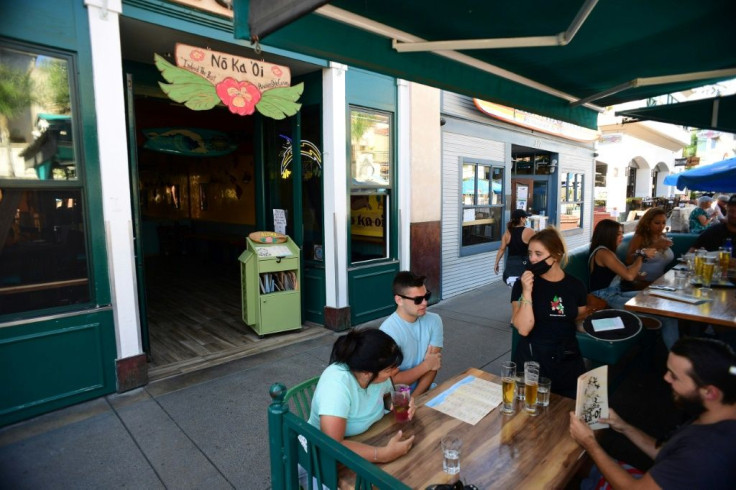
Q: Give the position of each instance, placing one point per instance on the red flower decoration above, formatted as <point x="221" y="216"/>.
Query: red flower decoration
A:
<point x="240" y="97"/>
<point x="197" y="55"/>
<point x="276" y="71"/>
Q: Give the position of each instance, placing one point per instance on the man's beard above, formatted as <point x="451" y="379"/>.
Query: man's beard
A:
<point x="692" y="405"/>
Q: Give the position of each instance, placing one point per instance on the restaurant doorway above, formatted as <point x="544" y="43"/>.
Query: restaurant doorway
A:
<point x="532" y="182"/>
<point x="201" y="182"/>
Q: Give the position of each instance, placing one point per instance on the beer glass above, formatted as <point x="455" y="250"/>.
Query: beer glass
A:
<point x="724" y="258"/>
<point x="707" y="275"/>
<point x="699" y="262"/>
<point x="508" y="386"/>
<point x="531" y="380"/>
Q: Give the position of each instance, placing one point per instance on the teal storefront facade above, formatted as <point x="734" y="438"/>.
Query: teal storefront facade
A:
<point x="57" y="355"/>
<point x="81" y="332"/>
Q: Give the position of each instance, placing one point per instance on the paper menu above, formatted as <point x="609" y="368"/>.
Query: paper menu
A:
<point x="591" y="402"/>
<point x="469" y="400"/>
<point x="273" y="251"/>
<point x="604" y="324"/>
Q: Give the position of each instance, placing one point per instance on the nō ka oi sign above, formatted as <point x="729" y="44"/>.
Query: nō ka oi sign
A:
<point x="203" y="78"/>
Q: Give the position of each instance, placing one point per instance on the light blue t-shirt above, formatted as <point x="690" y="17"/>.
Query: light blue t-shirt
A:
<point x="414" y="338"/>
<point x="339" y="394"/>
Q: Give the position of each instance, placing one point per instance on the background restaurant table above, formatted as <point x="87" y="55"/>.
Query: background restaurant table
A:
<point x="501" y="451"/>
<point x="721" y="310"/>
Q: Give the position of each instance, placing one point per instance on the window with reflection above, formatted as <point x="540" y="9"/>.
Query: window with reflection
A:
<point x="371" y="157"/>
<point x="43" y="251"/>
<point x="482" y="202"/>
<point x="43" y="237"/>
<point x="571" y="197"/>
<point x="36" y="137"/>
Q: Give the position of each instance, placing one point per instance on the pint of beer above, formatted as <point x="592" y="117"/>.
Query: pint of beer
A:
<point x="531" y="379"/>
<point x="508" y="386"/>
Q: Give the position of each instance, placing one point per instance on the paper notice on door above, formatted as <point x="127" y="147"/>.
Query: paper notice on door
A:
<point x="279" y="221"/>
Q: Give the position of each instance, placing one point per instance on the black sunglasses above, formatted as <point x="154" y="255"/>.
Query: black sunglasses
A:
<point x="417" y="299"/>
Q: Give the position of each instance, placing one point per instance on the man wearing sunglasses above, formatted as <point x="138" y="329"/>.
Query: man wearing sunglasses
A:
<point x="418" y="332"/>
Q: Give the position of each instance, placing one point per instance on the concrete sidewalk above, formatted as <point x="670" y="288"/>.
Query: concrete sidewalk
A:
<point x="208" y="429"/>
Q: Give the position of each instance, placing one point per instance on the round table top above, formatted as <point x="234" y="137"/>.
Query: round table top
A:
<point x="631" y="325"/>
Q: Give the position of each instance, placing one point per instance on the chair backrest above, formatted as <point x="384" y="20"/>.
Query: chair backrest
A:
<point x="299" y="397"/>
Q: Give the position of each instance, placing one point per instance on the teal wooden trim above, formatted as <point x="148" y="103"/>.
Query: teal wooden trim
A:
<point x="259" y="171"/>
<point x="371" y="90"/>
<point x="47" y="22"/>
<point x="375" y="278"/>
<point x="321" y="457"/>
<point x="136" y="214"/>
<point x="197" y="22"/>
<point x="297" y="181"/>
<point x="53" y="363"/>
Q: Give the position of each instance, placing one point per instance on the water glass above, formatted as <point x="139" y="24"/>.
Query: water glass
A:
<point x="451" y="446"/>
<point x="544" y="387"/>
<point x="531" y="381"/>
<point x="520" y="386"/>
<point x="681" y="280"/>
<point x="508" y="386"/>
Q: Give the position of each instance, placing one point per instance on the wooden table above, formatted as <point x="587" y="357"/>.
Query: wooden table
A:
<point x="720" y="311"/>
<point x="501" y="451"/>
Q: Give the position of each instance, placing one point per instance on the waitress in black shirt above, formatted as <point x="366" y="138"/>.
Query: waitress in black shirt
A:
<point x="545" y="303"/>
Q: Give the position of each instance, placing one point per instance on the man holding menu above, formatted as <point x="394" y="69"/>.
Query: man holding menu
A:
<point x="700" y="454"/>
<point x="418" y="332"/>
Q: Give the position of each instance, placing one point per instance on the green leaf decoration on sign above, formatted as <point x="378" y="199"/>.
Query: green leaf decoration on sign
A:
<point x="277" y="103"/>
<point x="185" y="87"/>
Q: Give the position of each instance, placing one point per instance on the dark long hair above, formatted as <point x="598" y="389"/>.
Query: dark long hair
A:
<point x="513" y="223"/>
<point x="606" y="234"/>
<point x="713" y="363"/>
<point x="367" y="350"/>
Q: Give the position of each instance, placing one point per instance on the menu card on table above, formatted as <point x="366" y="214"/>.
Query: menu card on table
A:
<point x="469" y="400"/>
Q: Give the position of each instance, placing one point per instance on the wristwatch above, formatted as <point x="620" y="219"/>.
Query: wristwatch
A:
<point x="641" y="253"/>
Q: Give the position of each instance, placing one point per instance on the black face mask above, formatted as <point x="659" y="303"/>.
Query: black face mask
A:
<point x="540" y="268"/>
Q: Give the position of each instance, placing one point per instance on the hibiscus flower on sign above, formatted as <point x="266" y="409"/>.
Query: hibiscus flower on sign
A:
<point x="203" y="79"/>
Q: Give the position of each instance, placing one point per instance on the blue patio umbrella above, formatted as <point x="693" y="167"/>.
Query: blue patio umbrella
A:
<point x="716" y="177"/>
<point x="468" y="186"/>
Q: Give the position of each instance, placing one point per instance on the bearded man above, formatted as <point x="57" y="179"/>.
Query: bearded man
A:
<point x="700" y="454"/>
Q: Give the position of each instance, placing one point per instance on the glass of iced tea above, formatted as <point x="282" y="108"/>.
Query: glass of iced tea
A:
<point x="400" y="398"/>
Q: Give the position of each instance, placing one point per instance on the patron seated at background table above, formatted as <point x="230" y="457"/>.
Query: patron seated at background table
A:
<point x="545" y="303"/>
<point x="700" y="219"/>
<point x="702" y="453"/>
<point x="649" y="235"/>
<point x="715" y="236"/>
<point x="606" y="269"/>
<point x="349" y="397"/>
<point x="418" y="332"/>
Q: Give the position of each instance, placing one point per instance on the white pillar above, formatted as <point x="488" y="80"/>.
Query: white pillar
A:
<point x="404" y="172"/>
<point x="335" y="182"/>
<point x="107" y="68"/>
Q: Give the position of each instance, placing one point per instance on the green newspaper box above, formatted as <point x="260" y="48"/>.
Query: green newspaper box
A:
<point x="270" y="281"/>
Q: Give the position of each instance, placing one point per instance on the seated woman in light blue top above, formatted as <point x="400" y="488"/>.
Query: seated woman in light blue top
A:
<point x="699" y="217"/>
<point x="349" y="397"/>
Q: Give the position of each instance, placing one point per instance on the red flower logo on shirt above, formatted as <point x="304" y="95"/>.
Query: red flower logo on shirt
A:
<point x="240" y="97"/>
<point x="557" y="306"/>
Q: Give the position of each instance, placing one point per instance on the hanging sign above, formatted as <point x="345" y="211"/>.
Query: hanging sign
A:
<point x="203" y="79"/>
<point x="536" y="122"/>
